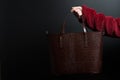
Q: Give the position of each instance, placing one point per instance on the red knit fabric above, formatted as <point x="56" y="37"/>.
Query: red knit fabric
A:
<point x="100" y="22"/>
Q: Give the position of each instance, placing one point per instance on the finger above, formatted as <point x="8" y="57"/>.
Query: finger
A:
<point x="73" y="9"/>
<point x="76" y="9"/>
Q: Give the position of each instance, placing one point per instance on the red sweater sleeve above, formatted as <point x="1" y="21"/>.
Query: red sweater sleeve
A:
<point x="100" y="22"/>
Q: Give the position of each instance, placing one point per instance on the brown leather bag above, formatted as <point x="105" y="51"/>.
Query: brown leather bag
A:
<point x="75" y="53"/>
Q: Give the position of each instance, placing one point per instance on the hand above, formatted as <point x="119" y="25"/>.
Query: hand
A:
<point x="77" y="10"/>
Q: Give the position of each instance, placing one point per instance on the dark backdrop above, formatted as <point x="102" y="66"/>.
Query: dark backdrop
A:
<point x="23" y="39"/>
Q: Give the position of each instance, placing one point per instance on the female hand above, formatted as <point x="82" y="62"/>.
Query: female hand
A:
<point x="77" y="10"/>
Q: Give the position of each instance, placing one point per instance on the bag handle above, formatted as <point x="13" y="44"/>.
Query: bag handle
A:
<point x="83" y="27"/>
<point x="64" y="24"/>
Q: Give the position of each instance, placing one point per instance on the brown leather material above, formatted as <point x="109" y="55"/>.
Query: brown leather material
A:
<point x="76" y="53"/>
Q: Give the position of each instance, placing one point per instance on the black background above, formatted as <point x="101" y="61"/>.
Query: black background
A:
<point x="23" y="39"/>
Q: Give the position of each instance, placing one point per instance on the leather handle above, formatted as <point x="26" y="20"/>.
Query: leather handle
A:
<point x="64" y="24"/>
<point x="83" y="24"/>
<point x="83" y="27"/>
<point x="85" y="31"/>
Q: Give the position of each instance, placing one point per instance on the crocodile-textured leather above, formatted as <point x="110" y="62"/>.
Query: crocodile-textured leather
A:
<point x="76" y="53"/>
